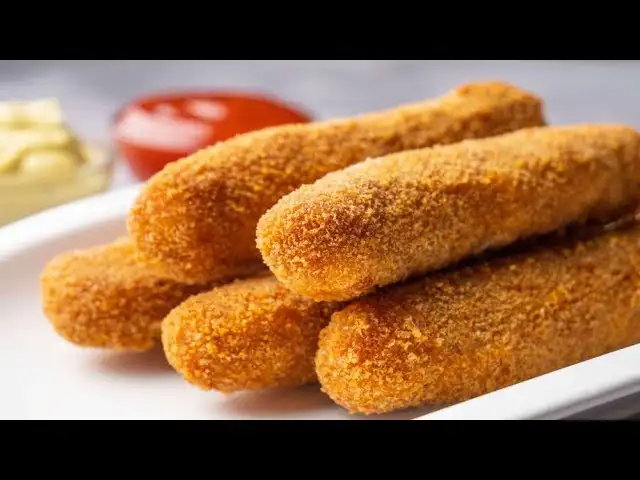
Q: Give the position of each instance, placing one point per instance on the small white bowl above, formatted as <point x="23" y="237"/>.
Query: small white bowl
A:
<point x="23" y="195"/>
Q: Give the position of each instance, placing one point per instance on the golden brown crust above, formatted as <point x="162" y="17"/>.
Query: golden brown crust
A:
<point x="197" y="217"/>
<point x="462" y="333"/>
<point x="387" y="219"/>
<point x="247" y="335"/>
<point x="105" y="297"/>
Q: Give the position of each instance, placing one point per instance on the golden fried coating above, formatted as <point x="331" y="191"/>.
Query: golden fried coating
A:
<point x="390" y="218"/>
<point x="106" y="297"/>
<point x="247" y="335"/>
<point x="462" y="333"/>
<point x="197" y="217"/>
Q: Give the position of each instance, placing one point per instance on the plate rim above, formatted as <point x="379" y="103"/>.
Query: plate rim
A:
<point x="64" y="219"/>
<point x="569" y="391"/>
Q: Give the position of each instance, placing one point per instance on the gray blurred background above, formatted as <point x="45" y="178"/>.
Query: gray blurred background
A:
<point x="92" y="90"/>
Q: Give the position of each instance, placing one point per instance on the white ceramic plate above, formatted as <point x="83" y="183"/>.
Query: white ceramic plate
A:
<point x="43" y="377"/>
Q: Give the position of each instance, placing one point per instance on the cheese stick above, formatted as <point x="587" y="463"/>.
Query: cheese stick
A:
<point x="463" y="333"/>
<point x="105" y="297"/>
<point x="394" y="217"/>
<point x="251" y="334"/>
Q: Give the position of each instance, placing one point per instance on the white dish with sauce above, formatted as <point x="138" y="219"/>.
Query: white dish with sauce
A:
<point x="42" y="161"/>
<point x="44" y="377"/>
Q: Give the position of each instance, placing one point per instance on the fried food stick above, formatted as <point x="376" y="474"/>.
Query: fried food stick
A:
<point x="394" y="217"/>
<point x="197" y="217"/>
<point x="105" y="297"/>
<point x="247" y="335"/>
<point x="459" y="334"/>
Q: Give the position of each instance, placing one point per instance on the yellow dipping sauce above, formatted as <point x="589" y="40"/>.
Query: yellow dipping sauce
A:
<point x="42" y="163"/>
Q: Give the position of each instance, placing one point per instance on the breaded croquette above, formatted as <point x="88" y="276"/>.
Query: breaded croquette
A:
<point x="391" y="218"/>
<point x="247" y="335"/>
<point x="105" y="297"/>
<point x="196" y="218"/>
<point x="462" y="333"/>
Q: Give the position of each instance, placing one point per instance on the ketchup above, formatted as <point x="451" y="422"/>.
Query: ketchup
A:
<point x="157" y="129"/>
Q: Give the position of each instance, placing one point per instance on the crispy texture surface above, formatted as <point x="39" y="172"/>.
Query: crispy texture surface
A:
<point x="247" y="335"/>
<point x="387" y="219"/>
<point x="462" y="333"/>
<point x="105" y="297"/>
<point x="197" y="217"/>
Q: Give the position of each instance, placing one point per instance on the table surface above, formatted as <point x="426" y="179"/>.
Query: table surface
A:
<point x="92" y="90"/>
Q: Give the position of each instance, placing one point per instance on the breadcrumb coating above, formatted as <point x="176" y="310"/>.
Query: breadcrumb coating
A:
<point x="391" y="218"/>
<point x="105" y="297"/>
<point x="248" y="335"/>
<point x="196" y="218"/>
<point x="462" y="333"/>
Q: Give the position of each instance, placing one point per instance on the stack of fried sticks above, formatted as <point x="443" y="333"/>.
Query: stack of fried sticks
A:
<point x="426" y="254"/>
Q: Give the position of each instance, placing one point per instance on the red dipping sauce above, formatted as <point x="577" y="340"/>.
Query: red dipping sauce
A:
<point x="157" y="129"/>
